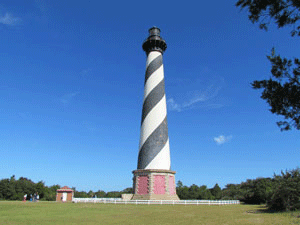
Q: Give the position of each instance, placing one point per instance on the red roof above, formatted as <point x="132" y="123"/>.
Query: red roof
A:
<point x="65" y="188"/>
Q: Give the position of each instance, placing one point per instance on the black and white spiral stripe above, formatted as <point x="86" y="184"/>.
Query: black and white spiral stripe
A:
<point x="154" y="151"/>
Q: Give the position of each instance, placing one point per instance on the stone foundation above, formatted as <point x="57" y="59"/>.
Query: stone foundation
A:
<point x="126" y="197"/>
<point x="154" y="184"/>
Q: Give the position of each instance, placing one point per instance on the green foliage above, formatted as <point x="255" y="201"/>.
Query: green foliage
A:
<point x="51" y="194"/>
<point x="232" y="192"/>
<point x="113" y="194"/>
<point x="179" y="184"/>
<point x="282" y="192"/>
<point x="193" y="192"/>
<point x="286" y="196"/>
<point x="182" y="191"/>
<point x="283" y="12"/>
<point x="128" y="190"/>
<point x="100" y="194"/>
<point x="256" y="191"/>
<point x="5" y="192"/>
<point x="80" y="194"/>
<point x="283" y="94"/>
<point x="216" y="191"/>
<point x="282" y="90"/>
<point x="12" y="189"/>
<point x="91" y="194"/>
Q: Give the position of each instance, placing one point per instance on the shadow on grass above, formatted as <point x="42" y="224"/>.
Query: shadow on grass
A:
<point x="262" y="209"/>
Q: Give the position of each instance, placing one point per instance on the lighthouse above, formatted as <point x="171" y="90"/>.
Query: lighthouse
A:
<point x="153" y="179"/>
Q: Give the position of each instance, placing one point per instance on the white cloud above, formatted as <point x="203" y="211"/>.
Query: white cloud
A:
<point x="196" y="97"/>
<point x="222" y="139"/>
<point x="65" y="99"/>
<point x="8" y="19"/>
<point x="209" y="93"/>
<point x="172" y="105"/>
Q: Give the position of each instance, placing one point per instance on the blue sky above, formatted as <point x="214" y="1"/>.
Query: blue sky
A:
<point x="71" y="92"/>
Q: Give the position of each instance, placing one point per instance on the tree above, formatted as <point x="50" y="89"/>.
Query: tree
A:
<point x="284" y="12"/>
<point x="256" y="191"/>
<point x="41" y="189"/>
<point x="12" y="188"/>
<point x="80" y="194"/>
<point x="113" y="194"/>
<point x="205" y="193"/>
<point x="283" y="91"/>
<point x="232" y="192"/>
<point x="182" y="191"/>
<point x="179" y="184"/>
<point x="194" y="192"/>
<point x="128" y="190"/>
<point x="263" y="189"/>
<point x="287" y="193"/>
<point x="216" y="192"/>
<point x="5" y="192"/>
<point x="91" y="194"/>
<point x="100" y="194"/>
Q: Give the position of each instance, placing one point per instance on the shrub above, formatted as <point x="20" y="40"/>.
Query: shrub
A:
<point x="286" y="196"/>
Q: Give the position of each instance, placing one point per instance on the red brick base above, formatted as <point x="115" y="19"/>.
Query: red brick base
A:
<point x="154" y="185"/>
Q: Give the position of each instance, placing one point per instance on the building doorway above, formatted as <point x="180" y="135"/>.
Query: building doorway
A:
<point x="64" y="196"/>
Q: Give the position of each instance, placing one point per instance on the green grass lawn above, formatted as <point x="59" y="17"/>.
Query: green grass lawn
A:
<point x="81" y="213"/>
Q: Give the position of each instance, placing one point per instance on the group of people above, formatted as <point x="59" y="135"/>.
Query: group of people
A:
<point x="33" y="198"/>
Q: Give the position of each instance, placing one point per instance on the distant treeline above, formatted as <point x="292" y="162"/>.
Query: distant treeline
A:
<point x="282" y="192"/>
<point x="12" y="189"/>
<point x="101" y="194"/>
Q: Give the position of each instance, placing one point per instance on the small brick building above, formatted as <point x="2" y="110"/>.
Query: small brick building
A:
<point x="64" y="194"/>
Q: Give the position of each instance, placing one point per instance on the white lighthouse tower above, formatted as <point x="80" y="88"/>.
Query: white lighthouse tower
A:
<point x="153" y="178"/>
